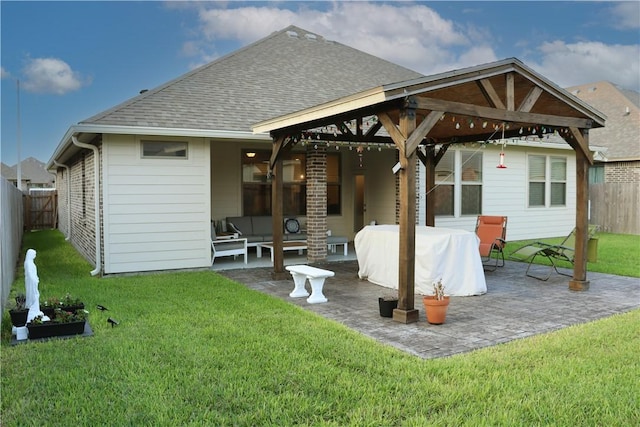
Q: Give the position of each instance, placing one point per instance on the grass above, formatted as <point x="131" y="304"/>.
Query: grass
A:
<point x="198" y="349"/>
<point x="618" y="254"/>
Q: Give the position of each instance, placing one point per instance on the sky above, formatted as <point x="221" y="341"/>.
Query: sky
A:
<point x="75" y="59"/>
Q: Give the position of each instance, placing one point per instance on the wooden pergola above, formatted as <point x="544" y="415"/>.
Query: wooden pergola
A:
<point x="416" y="117"/>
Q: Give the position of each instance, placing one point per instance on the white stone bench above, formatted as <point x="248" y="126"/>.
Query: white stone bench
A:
<point x="316" y="276"/>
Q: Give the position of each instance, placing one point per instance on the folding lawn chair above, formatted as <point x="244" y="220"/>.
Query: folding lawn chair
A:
<point x="565" y="251"/>
<point x="492" y="231"/>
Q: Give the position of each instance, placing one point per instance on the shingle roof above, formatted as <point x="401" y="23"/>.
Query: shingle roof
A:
<point x="32" y="170"/>
<point x="289" y="70"/>
<point x="621" y="135"/>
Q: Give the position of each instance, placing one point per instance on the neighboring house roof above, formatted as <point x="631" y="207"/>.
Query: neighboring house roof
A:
<point x="32" y="170"/>
<point x="621" y="137"/>
<point x="289" y="70"/>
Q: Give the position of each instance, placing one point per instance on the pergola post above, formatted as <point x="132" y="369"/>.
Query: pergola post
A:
<point x="277" y="217"/>
<point x="579" y="281"/>
<point x="406" y="313"/>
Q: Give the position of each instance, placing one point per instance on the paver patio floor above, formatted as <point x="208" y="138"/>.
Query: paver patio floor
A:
<point x="515" y="306"/>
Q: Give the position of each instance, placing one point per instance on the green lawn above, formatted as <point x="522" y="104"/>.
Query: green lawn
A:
<point x="198" y="349"/>
<point x="617" y="253"/>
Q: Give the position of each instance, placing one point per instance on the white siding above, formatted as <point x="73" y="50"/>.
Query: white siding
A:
<point x="156" y="211"/>
<point x="505" y="192"/>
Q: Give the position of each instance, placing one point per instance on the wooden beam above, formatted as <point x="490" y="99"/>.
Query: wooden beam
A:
<point x="530" y="100"/>
<point x="503" y="115"/>
<point x="511" y="97"/>
<point x="373" y="129"/>
<point x="276" y="150"/>
<point x="579" y="143"/>
<point x="490" y="94"/>
<point x="406" y="313"/>
<point x="277" y="221"/>
<point x="422" y="130"/>
<point x="393" y="131"/>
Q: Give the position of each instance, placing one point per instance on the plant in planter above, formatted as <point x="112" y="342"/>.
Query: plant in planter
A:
<point x="435" y="306"/>
<point x="387" y="304"/>
<point x="63" y="323"/>
<point x="20" y="311"/>
<point x="66" y="303"/>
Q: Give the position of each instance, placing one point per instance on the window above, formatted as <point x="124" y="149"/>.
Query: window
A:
<point x="558" y="181"/>
<point x="256" y="187"/>
<point x="537" y="174"/>
<point x="459" y="179"/>
<point x="445" y="184"/>
<point x="471" y="197"/>
<point x="547" y="175"/>
<point x="164" y="149"/>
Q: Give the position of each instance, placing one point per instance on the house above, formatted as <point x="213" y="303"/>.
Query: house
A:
<point x="140" y="183"/>
<point x="33" y="173"/>
<point x="615" y="177"/>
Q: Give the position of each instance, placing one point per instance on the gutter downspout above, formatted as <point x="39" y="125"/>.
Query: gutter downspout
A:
<point x="60" y="165"/>
<point x="96" y="160"/>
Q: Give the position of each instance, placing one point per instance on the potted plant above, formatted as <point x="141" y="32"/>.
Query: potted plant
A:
<point x="63" y="323"/>
<point x="66" y="303"/>
<point x="19" y="312"/>
<point x="435" y="306"/>
<point x="387" y="304"/>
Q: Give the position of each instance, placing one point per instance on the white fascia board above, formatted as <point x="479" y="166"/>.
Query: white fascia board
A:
<point x="339" y="106"/>
<point x="66" y="142"/>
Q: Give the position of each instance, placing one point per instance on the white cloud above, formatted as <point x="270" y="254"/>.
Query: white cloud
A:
<point x="51" y="75"/>
<point x="424" y="42"/>
<point x="585" y="62"/>
<point x="4" y="74"/>
<point x="627" y="15"/>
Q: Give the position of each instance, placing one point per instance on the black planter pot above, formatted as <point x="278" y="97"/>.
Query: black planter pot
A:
<point x="387" y="306"/>
<point x="19" y="317"/>
<point x="50" y="329"/>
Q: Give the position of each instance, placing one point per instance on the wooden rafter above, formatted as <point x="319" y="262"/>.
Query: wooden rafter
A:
<point x="504" y="115"/>
<point x="530" y="100"/>
<point x="422" y="130"/>
<point x="490" y="94"/>
<point x="511" y="97"/>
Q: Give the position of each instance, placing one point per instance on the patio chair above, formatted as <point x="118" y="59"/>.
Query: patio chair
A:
<point x="226" y="246"/>
<point x="492" y="231"/>
<point x="564" y="251"/>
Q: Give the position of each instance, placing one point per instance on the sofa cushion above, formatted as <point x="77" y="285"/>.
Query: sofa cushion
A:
<point x="242" y="223"/>
<point x="262" y="225"/>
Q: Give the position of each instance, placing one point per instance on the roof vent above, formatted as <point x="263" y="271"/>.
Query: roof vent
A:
<point x="592" y="89"/>
<point x="311" y="36"/>
<point x="292" y="34"/>
<point x="575" y="92"/>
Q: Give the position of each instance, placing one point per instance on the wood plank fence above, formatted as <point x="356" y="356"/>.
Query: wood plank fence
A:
<point x="11" y="231"/>
<point x="615" y="207"/>
<point x="41" y="210"/>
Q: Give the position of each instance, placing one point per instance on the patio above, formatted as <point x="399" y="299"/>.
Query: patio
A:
<point x="514" y="307"/>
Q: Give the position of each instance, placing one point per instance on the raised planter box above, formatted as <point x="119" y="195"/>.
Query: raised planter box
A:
<point x="50" y="329"/>
<point x="50" y="311"/>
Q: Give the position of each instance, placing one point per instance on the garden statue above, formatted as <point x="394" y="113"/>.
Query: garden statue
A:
<point x="31" y="281"/>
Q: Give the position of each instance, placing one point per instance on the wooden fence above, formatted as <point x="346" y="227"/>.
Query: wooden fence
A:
<point x="615" y="207"/>
<point x="41" y="210"/>
<point x="11" y="230"/>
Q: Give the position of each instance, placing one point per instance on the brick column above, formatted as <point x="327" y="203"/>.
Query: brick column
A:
<point x="316" y="203"/>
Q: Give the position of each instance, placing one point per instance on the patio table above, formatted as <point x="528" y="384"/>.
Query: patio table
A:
<point x="290" y="245"/>
<point x="440" y="253"/>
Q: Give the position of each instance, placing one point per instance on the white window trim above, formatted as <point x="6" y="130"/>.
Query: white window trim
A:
<point x="547" y="181"/>
<point x="142" y="141"/>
